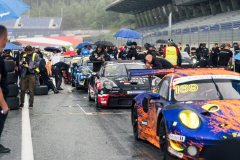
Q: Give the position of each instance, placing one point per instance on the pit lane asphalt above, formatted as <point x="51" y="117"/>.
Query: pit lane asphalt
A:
<point x="68" y="126"/>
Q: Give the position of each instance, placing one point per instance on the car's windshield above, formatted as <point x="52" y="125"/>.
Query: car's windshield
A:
<point x="184" y="55"/>
<point x="85" y="63"/>
<point x="135" y="66"/>
<point x="206" y="90"/>
<point x="115" y="70"/>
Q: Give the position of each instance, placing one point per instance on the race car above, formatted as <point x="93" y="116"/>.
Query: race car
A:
<point x="111" y="87"/>
<point x="74" y="64"/>
<point x="189" y="111"/>
<point x="82" y="72"/>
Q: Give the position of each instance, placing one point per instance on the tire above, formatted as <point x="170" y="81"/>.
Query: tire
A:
<point x="13" y="103"/>
<point x="89" y="96"/>
<point x="10" y="65"/>
<point x="73" y="83"/>
<point x="135" y="122"/>
<point x="11" y="77"/>
<point x="96" y="99"/>
<point x="13" y="90"/>
<point x="41" y="90"/>
<point x="163" y="138"/>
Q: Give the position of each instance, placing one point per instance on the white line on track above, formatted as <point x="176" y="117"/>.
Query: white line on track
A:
<point x="27" y="147"/>
<point x="83" y="110"/>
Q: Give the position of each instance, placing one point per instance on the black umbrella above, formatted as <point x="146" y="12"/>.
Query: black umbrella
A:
<point x="105" y="43"/>
<point x="161" y="41"/>
<point x="17" y="43"/>
<point x="51" y="49"/>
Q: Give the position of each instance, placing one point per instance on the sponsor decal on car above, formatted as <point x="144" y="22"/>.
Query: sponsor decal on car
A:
<point x="176" y="153"/>
<point x="144" y="123"/>
<point x="237" y="134"/>
<point x="176" y="137"/>
<point x="135" y="92"/>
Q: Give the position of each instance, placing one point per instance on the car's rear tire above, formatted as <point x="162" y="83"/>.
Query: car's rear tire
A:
<point x="163" y="138"/>
<point x="135" y="122"/>
<point x="73" y="83"/>
<point x="89" y="94"/>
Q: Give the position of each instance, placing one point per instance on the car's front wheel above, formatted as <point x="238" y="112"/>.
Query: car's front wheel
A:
<point x="135" y="122"/>
<point x="163" y="138"/>
<point x="89" y="94"/>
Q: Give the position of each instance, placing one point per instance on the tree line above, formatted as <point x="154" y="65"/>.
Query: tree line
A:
<point x="78" y="14"/>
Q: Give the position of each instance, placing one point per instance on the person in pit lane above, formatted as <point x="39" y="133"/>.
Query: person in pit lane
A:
<point x="128" y="53"/>
<point x="203" y="63"/>
<point x="100" y="55"/>
<point x="157" y="63"/>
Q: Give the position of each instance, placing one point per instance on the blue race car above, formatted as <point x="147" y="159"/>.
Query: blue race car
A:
<point x="189" y="111"/>
<point x="81" y="73"/>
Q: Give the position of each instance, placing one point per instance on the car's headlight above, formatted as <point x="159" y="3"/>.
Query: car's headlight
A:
<point x="108" y="84"/>
<point x="84" y="71"/>
<point x="189" y="119"/>
<point x="69" y="70"/>
<point x="194" y="61"/>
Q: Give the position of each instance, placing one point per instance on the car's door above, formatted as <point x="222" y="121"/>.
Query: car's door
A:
<point x="155" y="108"/>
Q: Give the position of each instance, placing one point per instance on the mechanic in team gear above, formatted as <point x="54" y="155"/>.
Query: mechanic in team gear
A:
<point x="99" y="55"/>
<point x="214" y="56"/>
<point x="128" y="53"/>
<point x="203" y="63"/>
<point x="225" y="56"/>
<point x="200" y="52"/>
<point x="140" y="54"/>
<point x="151" y="51"/>
<point x="85" y="51"/>
<point x="171" y="53"/>
<point x="45" y="77"/>
<point x="57" y="71"/>
<point x="206" y="51"/>
<point x="157" y="63"/>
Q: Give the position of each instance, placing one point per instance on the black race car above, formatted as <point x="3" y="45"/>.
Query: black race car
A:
<point x="111" y="87"/>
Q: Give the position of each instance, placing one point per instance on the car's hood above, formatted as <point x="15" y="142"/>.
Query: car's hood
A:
<point x="226" y="119"/>
<point x="136" y="83"/>
<point x="90" y="68"/>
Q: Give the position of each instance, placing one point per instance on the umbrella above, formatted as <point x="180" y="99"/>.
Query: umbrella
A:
<point x="17" y="43"/>
<point x="81" y="45"/>
<point x="105" y="43"/>
<point x="237" y="56"/>
<point x="12" y="9"/>
<point x="51" y="49"/>
<point x="70" y="53"/>
<point x="10" y="46"/>
<point x="161" y="41"/>
<point x="127" y="33"/>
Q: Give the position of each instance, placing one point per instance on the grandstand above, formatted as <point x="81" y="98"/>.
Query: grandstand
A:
<point x="26" y="26"/>
<point x="194" y="21"/>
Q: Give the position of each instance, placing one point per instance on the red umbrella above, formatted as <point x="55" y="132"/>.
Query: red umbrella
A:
<point x="70" y="53"/>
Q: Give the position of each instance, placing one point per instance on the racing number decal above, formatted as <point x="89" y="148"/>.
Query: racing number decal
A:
<point x="185" y="88"/>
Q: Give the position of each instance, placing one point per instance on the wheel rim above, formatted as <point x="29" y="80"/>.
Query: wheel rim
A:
<point x="135" y="121"/>
<point x="163" y="137"/>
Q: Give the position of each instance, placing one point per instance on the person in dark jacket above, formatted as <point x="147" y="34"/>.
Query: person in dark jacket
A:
<point x="206" y="51"/>
<point x="79" y="51"/>
<point x="45" y="77"/>
<point x="187" y="49"/>
<point x="203" y="63"/>
<point x="18" y="58"/>
<point x="99" y="55"/>
<point x="115" y="51"/>
<point x="214" y="56"/>
<point x="199" y="52"/>
<point x="7" y="55"/>
<point x="110" y="53"/>
<point x="151" y="51"/>
<point x="57" y="71"/>
<point x="157" y="63"/>
<point x="225" y="56"/>
<point x="37" y="50"/>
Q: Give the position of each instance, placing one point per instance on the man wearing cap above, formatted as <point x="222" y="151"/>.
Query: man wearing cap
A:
<point x="128" y="53"/>
<point x="37" y="49"/>
<point x="171" y="53"/>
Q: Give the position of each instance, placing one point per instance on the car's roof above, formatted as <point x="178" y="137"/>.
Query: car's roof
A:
<point x="202" y="71"/>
